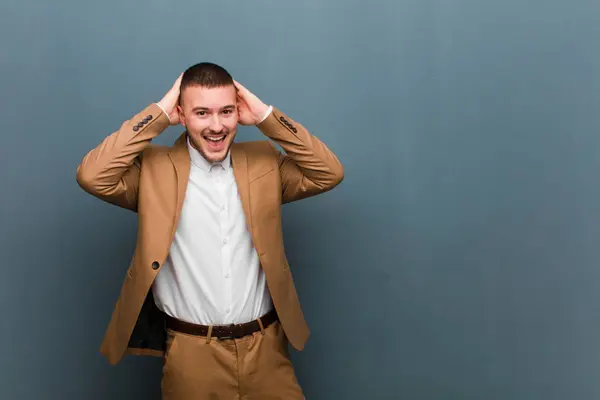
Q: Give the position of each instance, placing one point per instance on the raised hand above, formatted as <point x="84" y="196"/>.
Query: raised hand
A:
<point x="170" y="101"/>
<point x="250" y="108"/>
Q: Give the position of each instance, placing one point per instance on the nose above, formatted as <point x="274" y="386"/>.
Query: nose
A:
<point x="215" y="124"/>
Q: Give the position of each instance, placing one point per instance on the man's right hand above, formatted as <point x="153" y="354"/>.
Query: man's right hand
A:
<point x="170" y="101"/>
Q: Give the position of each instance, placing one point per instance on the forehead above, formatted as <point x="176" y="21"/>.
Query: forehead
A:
<point x="216" y="97"/>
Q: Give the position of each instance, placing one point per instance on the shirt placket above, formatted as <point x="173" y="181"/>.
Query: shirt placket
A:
<point x="223" y="210"/>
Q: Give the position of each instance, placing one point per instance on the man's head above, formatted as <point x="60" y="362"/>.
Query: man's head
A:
<point x="208" y="109"/>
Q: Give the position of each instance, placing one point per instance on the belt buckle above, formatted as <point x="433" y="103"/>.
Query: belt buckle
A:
<point x="231" y="335"/>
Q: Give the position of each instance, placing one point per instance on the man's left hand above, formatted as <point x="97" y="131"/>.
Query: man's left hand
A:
<point x="251" y="110"/>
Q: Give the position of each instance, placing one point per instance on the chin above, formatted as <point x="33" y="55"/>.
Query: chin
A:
<point x="215" y="157"/>
<point x="213" y="148"/>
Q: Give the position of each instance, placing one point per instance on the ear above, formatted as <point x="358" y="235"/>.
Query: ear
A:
<point x="181" y="115"/>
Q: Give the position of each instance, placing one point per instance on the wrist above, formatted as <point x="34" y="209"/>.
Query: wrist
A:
<point x="163" y="108"/>
<point x="265" y="112"/>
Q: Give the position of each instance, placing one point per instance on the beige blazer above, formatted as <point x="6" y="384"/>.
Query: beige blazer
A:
<point x="130" y="172"/>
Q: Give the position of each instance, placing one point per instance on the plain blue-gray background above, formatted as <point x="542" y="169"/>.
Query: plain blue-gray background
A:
<point x="458" y="259"/>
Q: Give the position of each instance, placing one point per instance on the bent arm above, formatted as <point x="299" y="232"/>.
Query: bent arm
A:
<point x="309" y="167"/>
<point x="111" y="171"/>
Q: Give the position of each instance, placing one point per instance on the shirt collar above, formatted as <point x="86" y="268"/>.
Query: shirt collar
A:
<point x="199" y="161"/>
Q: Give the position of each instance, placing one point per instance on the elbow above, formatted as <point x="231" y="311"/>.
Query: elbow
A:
<point x="338" y="175"/>
<point x="85" y="179"/>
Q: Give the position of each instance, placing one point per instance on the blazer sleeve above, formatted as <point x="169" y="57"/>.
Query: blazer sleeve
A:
<point x="308" y="168"/>
<point x="111" y="171"/>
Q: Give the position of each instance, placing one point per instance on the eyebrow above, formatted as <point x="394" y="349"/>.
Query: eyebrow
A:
<point x="208" y="109"/>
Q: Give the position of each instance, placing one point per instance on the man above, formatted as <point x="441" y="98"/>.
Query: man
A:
<point x="209" y="287"/>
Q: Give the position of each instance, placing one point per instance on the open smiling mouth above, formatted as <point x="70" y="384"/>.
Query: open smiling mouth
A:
<point x="215" y="142"/>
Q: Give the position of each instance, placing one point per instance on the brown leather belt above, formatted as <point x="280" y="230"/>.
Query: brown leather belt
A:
<point x="233" y="331"/>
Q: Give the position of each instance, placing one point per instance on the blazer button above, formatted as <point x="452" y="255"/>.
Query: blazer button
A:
<point x="136" y="128"/>
<point x="149" y="117"/>
<point x="155" y="265"/>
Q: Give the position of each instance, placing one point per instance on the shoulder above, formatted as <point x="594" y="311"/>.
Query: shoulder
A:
<point x="259" y="149"/>
<point x="154" y="153"/>
<point x="262" y="157"/>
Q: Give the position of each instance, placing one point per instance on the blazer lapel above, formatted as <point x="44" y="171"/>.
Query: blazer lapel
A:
<point x="239" y="161"/>
<point x="180" y="157"/>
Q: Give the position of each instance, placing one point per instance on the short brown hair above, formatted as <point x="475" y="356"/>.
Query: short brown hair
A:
<point x="205" y="74"/>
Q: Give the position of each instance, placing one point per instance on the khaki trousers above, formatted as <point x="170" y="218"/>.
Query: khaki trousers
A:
<point x="255" y="367"/>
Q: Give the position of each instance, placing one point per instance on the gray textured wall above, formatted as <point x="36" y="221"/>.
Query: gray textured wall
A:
<point x="459" y="258"/>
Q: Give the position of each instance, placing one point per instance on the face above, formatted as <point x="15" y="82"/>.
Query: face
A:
<point x="210" y="117"/>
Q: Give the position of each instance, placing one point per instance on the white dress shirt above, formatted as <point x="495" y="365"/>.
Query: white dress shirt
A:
<point x="212" y="275"/>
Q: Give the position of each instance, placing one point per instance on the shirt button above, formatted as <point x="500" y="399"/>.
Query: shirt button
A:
<point x="225" y="241"/>
<point x="227" y="275"/>
<point x="228" y="310"/>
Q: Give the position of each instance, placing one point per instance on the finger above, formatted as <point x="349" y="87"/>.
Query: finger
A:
<point x="178" y="81"/>
<point x="241" y="89"/>
<point x="240" y="97"/>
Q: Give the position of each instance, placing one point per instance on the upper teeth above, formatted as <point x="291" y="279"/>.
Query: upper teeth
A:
<point x="215" y="138"/>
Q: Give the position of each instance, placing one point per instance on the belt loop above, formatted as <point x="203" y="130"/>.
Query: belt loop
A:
<point x="262" y="328"/>
<point x="209" y="334"/>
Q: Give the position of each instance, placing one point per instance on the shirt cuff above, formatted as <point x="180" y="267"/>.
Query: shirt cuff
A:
<point x="163" y="111"/>
<point x="269" y="111"/>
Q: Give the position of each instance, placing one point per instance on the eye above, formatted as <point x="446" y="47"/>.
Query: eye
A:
<point x="201" y="113"/>
<point x="227" y="112"/>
